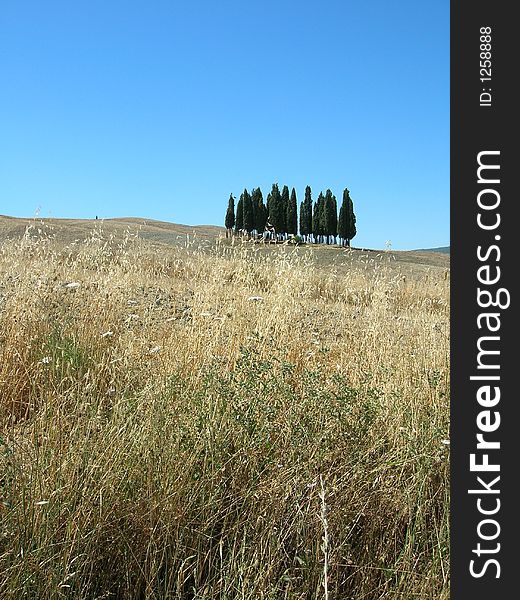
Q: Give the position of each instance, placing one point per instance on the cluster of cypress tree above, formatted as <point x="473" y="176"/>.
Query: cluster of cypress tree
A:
<point x="319" y="222"/>
<point x="251" y="214"/>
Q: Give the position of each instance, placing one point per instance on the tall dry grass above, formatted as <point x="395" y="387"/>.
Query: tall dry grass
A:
<point x="227" y="423"/>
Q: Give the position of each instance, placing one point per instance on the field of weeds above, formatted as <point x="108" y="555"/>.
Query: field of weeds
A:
<point x="228" y="423"/>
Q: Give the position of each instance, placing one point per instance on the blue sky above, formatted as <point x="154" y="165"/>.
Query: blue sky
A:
<point x="160" y="109"/>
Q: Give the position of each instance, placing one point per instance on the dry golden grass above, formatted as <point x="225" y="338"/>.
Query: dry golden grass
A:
<point x="228" y="423"/>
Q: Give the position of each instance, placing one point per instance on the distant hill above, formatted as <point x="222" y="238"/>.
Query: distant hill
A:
<point x="71" y="229"/>
<point x="442" y="249"/>
<point x="205" y="236"/>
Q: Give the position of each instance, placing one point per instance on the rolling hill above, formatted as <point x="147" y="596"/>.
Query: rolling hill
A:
<point x="162" y="232"/>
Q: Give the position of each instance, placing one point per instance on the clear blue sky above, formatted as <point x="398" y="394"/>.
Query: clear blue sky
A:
<point x="160" y="109"/>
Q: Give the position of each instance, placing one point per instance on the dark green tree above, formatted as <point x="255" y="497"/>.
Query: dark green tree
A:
<point x="315" y="223"/>
<point x="303" y="221"/>
<point x="285" y="210"/>
<point x="248" y="212"/>
<point x="306" y="214"/>
<point x="292" y="214"/>
<point x="253" y="208"/>
<point x="347" y="219"/>
<point x="230" y="216"/>
<point x="259" y="210"/>
<point x="330" y="216"/>
<point x="318" y="219"/>
<point x="342" y="224"/>
<point x="276" y="214"/>
<point x="335" y="224"/>
<point x="268" y="209"/>
<point x="239" y="220"/>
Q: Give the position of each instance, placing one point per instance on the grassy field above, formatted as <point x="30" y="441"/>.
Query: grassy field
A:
<point x="194" y="419"/>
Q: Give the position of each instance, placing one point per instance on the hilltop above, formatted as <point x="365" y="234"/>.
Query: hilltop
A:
<point x="441" y="249"/>
<point x="207" y="236"/>
<point x="70" y="229"/>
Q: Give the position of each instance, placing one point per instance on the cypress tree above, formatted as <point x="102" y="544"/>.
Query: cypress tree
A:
<point x="260" y="212"/>
<point x="253" y="208"/>
<point x="303" y="221"/>
<point x="284" y="210"/>
<point x="306" y="220"/>
<point x="342" y="224"/>
<point x="292" y="214"/>
<point x="351" y="218"/>
<point x="335" y="222"/>
<point x="318" y="220"/>
<point x="322" y="218"/>
<point x="347" y="219"/>
<point x="268" y="209"/>
<point x="230" y="216"/>
<point x="330" y="216"/>
<point x="315" y="222"/>
<point x="276" y="210"/>
<point x="248" y="212"/>
<point x="239" y="220"/>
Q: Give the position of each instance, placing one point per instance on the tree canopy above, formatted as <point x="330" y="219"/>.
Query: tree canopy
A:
<point x="347" y="219"/>
<point x="230" y="214"/>
<point x="318" y="222"/>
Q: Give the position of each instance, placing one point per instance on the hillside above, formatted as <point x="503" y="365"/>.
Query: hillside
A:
<point x="206" y="236"/>
<point x="441" y="249"/>
<point x="194" y="420"/>
<point x="70" y="229"/>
